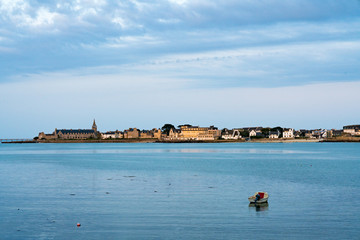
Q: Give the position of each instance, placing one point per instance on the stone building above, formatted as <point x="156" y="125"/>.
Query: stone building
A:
<point x="131" y="133"/>
<point x="157" y="133"/>
<point x="174" y="134"/>
<point x="146" y="134"/>
<point x="188" y="132"/>
<point x="71" y="133"/>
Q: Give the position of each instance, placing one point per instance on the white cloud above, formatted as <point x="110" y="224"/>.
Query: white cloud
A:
<point x="22" y="14"/>
<point x="43" y="18"/>
<point x="127" y="41"/>
<point x="169" y="21"/>
<point x="12" y="6"/>
<point x="120" y="21"/>
<point x="83" y="5"/>
<point x="329" y="105"/>
<point x="179" y="2"/>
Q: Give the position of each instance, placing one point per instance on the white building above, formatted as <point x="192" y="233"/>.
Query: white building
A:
<point x="112" y="135"/>
<point x="230" y="134"/>
<point x="274" y="134"/>
<point x="288" y="133"/>
<point x="319" y="133"/>
<point x="255" y="133"/>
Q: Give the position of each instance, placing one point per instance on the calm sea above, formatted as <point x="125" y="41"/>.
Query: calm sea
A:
<point x="179" y="191"/>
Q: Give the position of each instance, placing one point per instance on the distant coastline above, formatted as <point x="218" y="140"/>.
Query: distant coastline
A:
<point x="194" y="134"/>
<point x="151" y="140"/>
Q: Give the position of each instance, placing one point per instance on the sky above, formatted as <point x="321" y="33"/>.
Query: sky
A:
<point x="137" y="63"/>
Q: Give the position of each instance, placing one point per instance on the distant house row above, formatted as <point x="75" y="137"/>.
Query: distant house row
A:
<point x="132" y="133"/>
<point x="278" y="132"/>
<point x="189" y="132"/>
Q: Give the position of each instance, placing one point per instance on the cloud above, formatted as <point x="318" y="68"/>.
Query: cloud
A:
<point x="128" y="41"/>
<point x="266" y="66"/>
<point x="214" y="43"/>
<point x="13" y="6"/>
<point x="43" y="18"/>
<point x="282" y="63"/>
<point x="181" y="13"/>
<point x="119" y="101"/>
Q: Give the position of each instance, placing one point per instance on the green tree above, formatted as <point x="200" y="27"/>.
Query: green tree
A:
<point x="280" y="129"/>
<point x="245" y="133"/>
<point x="265" y="131"/>
<point x="166" y="128"/>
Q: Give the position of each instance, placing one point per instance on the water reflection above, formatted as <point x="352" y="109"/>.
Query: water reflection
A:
<point x="259" y="207"/>
<point x="161" y="150"/>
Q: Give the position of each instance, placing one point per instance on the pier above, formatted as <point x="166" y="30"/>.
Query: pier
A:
<point x="20" y="140"/>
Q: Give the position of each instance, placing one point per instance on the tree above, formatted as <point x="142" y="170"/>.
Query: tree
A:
<point x="245" y="133"/>
<point x="280" y="129"/>
<point x="265" y="131"/>
<point x="166" y="128"/>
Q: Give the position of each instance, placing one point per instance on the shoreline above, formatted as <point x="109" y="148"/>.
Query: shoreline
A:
<point x="151" y="140"/>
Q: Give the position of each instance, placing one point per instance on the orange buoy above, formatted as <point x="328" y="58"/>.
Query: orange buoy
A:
<point x="78" y="224"/>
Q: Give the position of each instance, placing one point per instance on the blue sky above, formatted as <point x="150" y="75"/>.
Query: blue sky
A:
<point x="141" y="64"/>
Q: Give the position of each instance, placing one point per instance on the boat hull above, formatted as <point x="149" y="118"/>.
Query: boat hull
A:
<point x="261" y="200"/>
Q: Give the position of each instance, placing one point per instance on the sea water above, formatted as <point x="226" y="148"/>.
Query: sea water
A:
<point x="179" y="191"/>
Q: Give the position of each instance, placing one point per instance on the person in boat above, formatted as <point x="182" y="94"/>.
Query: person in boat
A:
<point x="257" y="197"/>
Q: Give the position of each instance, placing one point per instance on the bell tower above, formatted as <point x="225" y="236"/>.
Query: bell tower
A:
<point x="94" y="127"/>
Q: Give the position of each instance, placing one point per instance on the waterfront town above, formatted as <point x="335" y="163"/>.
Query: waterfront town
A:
<point x="187" y="132"/>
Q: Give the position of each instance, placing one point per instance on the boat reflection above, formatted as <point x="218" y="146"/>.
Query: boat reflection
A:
<point x="260" y="206"/>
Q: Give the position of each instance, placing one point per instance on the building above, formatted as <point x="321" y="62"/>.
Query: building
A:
<point x="336" y="133"/>
<point x="131" y="133"/>
<point x="71" y="133"/>
<point x="189" y="132"/>
<point x="255" y="132"/>
<point x="230" y="134"/>
<point x="288" y="133"/>
<point x="352" y="129"/>
<point x="146" y="134"/>
<point x="174" y="134"/>
<point x="304" y="133"/>
<point x="157" y="133"/>
<point x="43" y="136"/>
<point x="319" y="133"/>
<point x="274" y="134"/>
<point x="112" y="135"/>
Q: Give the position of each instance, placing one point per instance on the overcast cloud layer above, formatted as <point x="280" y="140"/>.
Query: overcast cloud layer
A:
<point x="200" y="49"/>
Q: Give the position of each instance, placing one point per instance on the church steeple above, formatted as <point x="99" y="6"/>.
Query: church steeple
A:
<point x="94" y="127"/>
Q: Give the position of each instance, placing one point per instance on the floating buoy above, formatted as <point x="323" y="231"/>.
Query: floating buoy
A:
<point x="78" y="224"/>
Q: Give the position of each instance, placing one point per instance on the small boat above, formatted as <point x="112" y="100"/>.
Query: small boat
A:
<point x="259" y="197"/>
